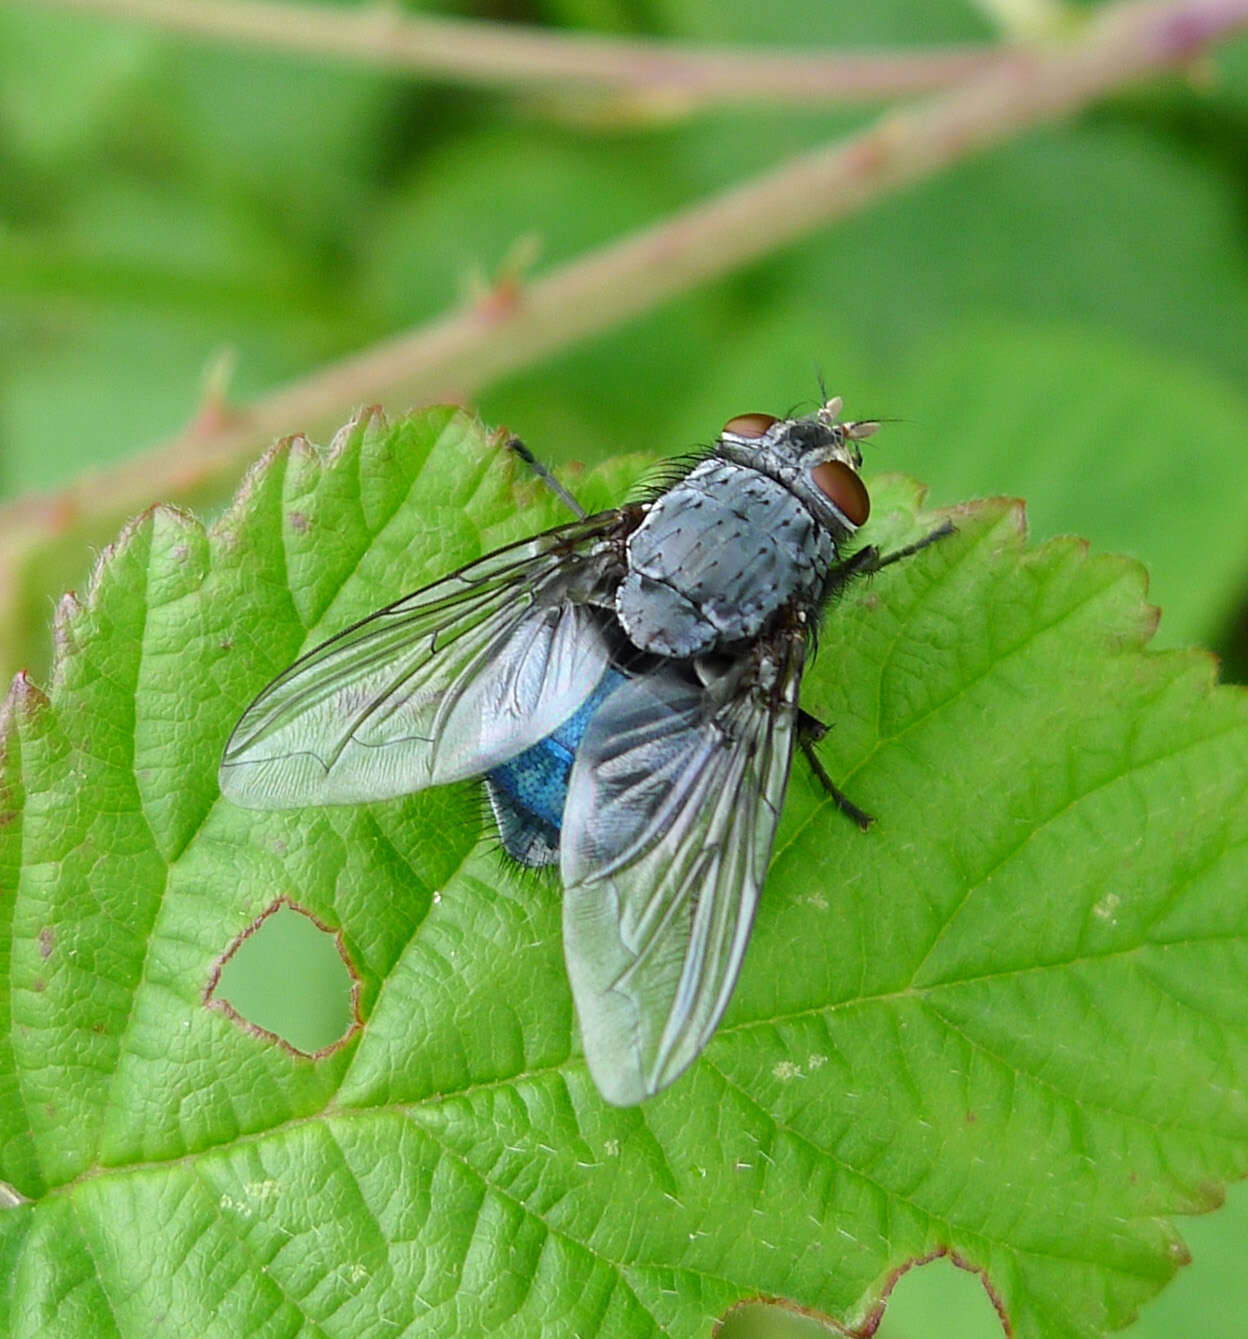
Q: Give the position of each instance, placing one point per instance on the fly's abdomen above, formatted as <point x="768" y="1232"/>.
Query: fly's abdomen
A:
<point x="715" y="557"/>
<point x="528" y="792"/>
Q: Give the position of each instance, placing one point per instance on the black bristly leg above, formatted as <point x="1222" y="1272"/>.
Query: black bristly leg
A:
<point x="810" y="729"/>
<point x="869" y="560"/>
<point x="942" y="531"/>
<point x="516" y="445"/>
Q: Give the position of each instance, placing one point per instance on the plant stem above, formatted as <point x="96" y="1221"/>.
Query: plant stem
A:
<point x="668" y="74"/>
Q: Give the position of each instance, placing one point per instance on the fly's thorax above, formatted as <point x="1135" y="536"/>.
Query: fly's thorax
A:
<point x="746" y="533"/>
<point x="716" y="556"/>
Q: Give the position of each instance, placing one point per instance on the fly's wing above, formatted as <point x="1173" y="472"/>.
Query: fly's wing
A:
<point x="672" y="809"/>
<point x="441" y="685"/>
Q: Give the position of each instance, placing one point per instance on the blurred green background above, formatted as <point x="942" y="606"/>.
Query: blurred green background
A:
<point x="1065" y="319"/>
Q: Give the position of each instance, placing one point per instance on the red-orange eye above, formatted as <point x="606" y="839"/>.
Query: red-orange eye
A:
<point x="844" y="489"/>
<point x="750" y="425"/>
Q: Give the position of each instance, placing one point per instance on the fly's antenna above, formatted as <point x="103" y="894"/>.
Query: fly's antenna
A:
<point x="823" y="385"/>
<point x="516" y="445"/>
<point x="866" y="427"/>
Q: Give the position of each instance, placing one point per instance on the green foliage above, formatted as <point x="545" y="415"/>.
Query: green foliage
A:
<point x="1007" y="1023"/>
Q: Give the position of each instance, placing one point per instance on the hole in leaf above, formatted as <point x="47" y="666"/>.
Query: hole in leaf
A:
<point x="939" y="1300"/>
<point x="288" y="976"/>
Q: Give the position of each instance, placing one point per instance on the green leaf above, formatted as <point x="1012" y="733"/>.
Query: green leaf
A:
<point x="1006" y="1024"/>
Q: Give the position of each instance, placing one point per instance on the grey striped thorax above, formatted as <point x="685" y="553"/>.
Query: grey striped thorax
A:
<point x="744" y="534"/>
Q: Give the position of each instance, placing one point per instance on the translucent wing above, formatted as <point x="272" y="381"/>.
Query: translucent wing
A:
<point x="441" y="685"/>
<point x="672" y="809"/>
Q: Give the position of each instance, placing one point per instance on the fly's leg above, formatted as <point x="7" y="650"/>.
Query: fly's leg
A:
<point x="870" y="559"/>
<point x="810" y="730"/>
<point x="516" y="445"/>
<point x="942" y="531"/>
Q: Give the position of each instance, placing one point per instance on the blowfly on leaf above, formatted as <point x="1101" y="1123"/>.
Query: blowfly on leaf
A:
<point x="627" y="686"/>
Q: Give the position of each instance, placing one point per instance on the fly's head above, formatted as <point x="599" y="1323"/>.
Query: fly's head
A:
<point x="816" y="458"/>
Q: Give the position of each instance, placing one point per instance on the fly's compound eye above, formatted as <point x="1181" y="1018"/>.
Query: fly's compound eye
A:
<point x="749" y="425"/>
<point x="844" y="489"/>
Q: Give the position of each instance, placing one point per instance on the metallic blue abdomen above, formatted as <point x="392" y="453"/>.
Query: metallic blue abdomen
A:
<point x="528" y="791"/>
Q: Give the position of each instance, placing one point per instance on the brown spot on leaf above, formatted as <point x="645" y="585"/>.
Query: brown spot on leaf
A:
<point x="47" y="942"/>
<point x="1210" y="1195"/>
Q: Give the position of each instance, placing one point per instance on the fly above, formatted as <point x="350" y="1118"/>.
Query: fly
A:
<point x="627" y="686"/>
